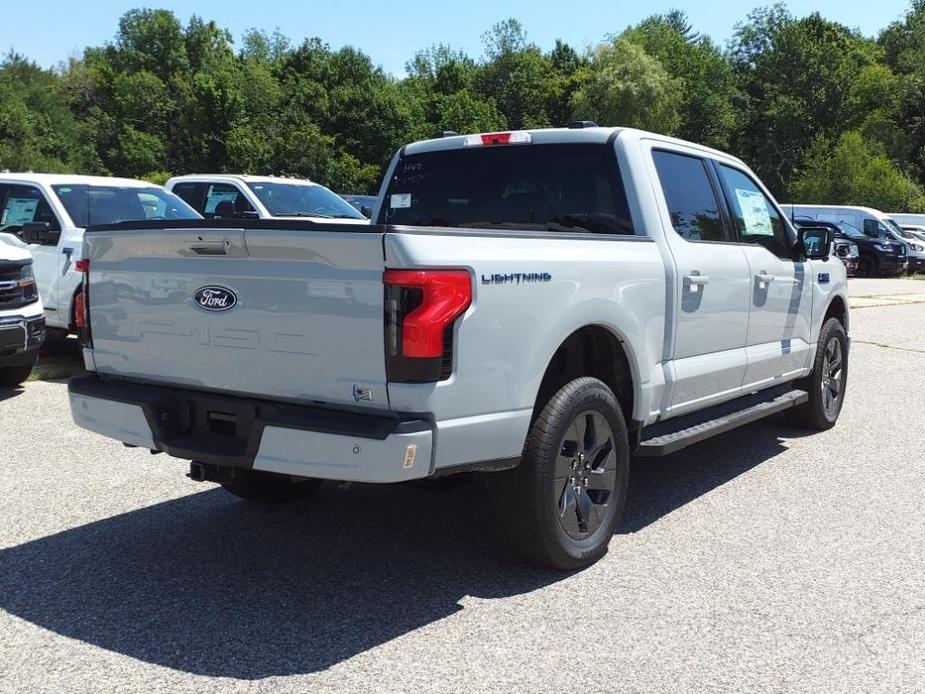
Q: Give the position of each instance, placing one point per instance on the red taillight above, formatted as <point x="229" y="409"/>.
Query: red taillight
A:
<point x="80" y="311"/>
<point x="420" y="307"/>
<point x="81" y="305"/>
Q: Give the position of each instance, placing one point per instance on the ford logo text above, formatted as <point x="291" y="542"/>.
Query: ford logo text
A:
<point x="215" y="298"/>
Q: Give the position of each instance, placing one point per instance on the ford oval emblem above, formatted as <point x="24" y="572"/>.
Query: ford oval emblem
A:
<point x="215" y="298"/>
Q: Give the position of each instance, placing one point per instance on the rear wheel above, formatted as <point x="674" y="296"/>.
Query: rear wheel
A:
<point x="826" y="384"/>
<point x="266" y="487"/>
<point x="560" y="507"/>
<point x="12" y="376"/>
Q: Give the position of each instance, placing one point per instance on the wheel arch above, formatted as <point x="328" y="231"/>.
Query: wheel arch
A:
<point x="837" y="308"/>
<point x="584" y="352"/>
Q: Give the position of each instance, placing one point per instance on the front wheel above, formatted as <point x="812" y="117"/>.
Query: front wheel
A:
<point x="12" y="376"/>
<point x="266" y="487"/>
<point x="826" y="384"/>
<point x="561" y="505"/>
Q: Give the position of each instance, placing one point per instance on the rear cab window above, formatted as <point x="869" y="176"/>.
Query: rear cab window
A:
<point x="573" y="188"/>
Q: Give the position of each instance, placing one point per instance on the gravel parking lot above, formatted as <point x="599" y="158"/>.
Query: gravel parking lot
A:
<point x="762" y="560"/>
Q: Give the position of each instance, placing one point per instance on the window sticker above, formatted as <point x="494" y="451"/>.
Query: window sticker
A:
<point x="754" y="213"/>
<point x="19" y="211"/>
<point x="400" y="200"/>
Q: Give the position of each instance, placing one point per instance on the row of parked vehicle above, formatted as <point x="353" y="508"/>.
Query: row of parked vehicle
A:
<point x="42" y="223"/>
<point x="869" y="242"/>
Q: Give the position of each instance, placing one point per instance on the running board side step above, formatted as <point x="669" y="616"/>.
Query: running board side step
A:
<point x="666" y="437"/>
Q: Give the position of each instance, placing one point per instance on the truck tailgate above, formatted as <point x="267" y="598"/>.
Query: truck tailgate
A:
<point x="284" y="313"/>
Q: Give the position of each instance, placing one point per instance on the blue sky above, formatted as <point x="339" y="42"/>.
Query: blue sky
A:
<point x="390" y="32"/>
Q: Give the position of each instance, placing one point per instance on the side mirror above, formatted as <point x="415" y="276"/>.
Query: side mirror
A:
<point x="816" y="242"/>
<point x="40" y="233"/>
<point x="247" y="214"/>
<point x="366" y="211"/>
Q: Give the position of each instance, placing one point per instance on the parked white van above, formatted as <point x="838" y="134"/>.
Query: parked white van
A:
<point x="903" y="218"/>
<point x="873" y="223"/>
<point x="49" y="212"/>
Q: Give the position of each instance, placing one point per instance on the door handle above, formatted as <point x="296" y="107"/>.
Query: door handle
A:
<point x="694" y="282"/>
<point x="764" y="278"/>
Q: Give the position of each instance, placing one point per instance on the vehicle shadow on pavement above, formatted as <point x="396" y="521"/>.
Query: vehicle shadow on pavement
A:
<point x="7" y="393"/>
<point x="211" y="585"/>
<point x="658" y="486"/>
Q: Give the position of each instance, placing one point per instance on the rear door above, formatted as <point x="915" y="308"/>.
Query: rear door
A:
<point x="780" y="291"/>
<point x="711" y="287"/>
<point x="286" y="314"/>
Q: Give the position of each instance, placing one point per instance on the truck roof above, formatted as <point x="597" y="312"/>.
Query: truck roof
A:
<point x="241" y="177"/>
<point x="73" y="179"/>
<point x="869" y="210"/>
<point x="593" y="134"/>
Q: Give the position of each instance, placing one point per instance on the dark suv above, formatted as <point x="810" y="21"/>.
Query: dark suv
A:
<point x="876" y="256"/>
<point x="846" y="250"/>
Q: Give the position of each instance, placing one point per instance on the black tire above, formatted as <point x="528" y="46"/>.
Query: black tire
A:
<point x="827" y="383"/>
<point x="266" y="487"/>
<point x="538" y="504"/>
<point x="12" y="376"/>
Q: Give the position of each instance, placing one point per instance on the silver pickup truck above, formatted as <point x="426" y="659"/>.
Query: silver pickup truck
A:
<point x="538" y="306"/>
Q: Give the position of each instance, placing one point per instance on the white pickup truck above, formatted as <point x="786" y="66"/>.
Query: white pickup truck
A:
<point x="535" y="305"/>
<point x="235" y="196"/>
<point x="22" y="326"/>
<point x="49" y="213"/>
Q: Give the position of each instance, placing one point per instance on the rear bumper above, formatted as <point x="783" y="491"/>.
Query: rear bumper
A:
<point x="243" y="432"/>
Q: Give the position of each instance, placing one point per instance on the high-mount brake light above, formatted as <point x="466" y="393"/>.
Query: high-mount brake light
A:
<point x="421" y="307"/>
<point x="517" y="137"/>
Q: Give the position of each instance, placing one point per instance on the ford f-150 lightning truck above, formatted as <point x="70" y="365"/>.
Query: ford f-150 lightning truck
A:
<point x="537" y="306"/>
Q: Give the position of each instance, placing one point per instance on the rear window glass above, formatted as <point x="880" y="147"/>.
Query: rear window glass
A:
<point x="557" y="187"/>
<point x="88" y="205"/>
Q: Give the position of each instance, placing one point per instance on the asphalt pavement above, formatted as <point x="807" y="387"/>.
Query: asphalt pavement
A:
<point x="764" y="560"/>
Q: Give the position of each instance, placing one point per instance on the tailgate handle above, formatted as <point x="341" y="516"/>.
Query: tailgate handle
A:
<point x="211" y="247"/>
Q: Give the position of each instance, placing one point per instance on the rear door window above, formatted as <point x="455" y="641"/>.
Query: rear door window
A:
<point x="690" y="196"/>
<point x="192" y="193"/>
<point x="553" y="187"/>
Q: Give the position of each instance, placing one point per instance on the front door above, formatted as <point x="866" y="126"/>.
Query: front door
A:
<point x="21" y="204"/>
<point x="778" y="342"/>
<point x="707" y="353"/>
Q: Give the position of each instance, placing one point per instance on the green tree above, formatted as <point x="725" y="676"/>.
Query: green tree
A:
<point x="855" y="173"/>
<point x="515" y="76"/>
<point x="628" y="87"/>
<point x="797" y="76"/>
<point x="710" y="99"/>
